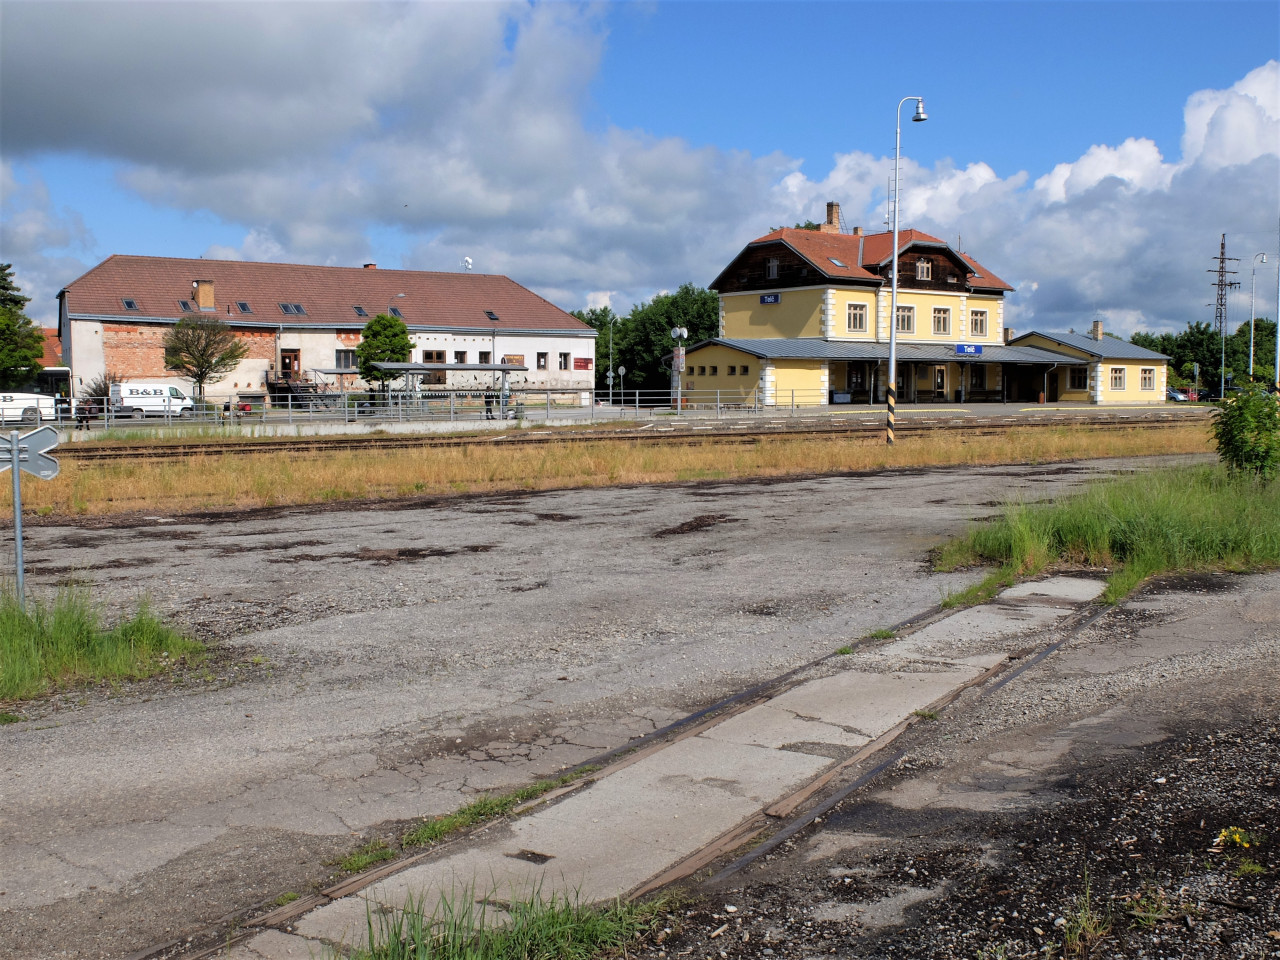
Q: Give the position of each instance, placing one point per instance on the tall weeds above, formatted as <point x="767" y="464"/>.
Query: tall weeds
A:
<point x="1135" y="527"/>
<point x="49" y="644"/>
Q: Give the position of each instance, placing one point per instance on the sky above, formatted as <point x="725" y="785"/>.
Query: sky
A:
<point x="1091" y="154"/>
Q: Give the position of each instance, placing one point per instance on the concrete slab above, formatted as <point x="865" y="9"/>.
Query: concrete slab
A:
<point x="769" y="726"/>
<point x="870" y="703"/>
<point x="274" y="945"/>
<point x="1075" y="589"/>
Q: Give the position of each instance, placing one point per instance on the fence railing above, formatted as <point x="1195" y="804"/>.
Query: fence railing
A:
<point x="523" y="405"/>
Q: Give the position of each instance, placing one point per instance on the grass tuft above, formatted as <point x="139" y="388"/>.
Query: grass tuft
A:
<point x="882" y="634"/>
<point x="63" y="642"/>
<point x="489" y="806"/>
<point x="467" y="927"/>
<point x="375" y="851"/>
<point x="1184" y="519"/>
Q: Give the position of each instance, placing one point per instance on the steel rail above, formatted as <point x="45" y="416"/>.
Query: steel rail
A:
<point x="688" y="435"/>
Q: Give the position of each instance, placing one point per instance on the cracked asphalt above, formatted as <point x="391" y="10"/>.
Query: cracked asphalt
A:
<point x="378" y="663"/>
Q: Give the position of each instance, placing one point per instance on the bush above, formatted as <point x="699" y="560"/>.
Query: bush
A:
<point x="1247" y="431"/>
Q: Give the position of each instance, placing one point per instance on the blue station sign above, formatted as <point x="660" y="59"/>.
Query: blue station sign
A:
<point x="770" y="298"/>
<point x="969" y="349"/>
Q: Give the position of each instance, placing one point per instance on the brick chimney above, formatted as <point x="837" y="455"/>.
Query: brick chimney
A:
<point x="857" y="231"/>
<point x="1097" y="329"/>
<point x="202" y="290"/>
<point x="1008" y="334"/>
<point x="371" y="266"/>
<point x="833" y="218"/>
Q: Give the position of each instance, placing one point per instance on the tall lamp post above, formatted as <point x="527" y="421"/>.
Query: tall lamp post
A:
<point x="1253" y="280"/>
<point x="679" y="335"/>
<point x="614" y="318"/>
<point x="892" y="393"/>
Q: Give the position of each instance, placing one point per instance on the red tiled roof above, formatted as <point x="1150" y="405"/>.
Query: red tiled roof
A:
<point x="875" y="248"/>
<point x="52" y="348"/>
<point x="327" y="294"/>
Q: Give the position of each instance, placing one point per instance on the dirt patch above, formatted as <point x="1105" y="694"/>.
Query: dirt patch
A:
<point x="696" y="525"/>
<point x="557" y="517"/>
<point x="386" y="556"/>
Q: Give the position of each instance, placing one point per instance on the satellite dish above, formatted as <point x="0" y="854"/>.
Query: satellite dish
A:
<point x="466" y="263"/>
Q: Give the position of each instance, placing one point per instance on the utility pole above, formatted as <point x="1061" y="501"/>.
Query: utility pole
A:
<point x="1220" y="308"/>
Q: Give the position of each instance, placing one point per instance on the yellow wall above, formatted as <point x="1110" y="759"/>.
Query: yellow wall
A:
<point x="701" y="388"/>
<point x="924" y="302"/>
<point x="806" y="377"/>
<point x="1132" y="392"/>
<point x="992" y="306"/>
<point x="840" y="315"/>
<point x="797" y="314"/>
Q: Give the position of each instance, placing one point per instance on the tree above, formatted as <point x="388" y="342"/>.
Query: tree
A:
<point x="21" y="341"/>
<point x="384" y="339"/>
<point x="204" y="349"/>
<point x="10" y="296"/>
<point x="645" y="335"/>
<point x="602" y="319"/>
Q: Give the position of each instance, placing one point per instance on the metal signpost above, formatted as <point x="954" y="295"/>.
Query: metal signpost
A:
<point x="28" y="452"/>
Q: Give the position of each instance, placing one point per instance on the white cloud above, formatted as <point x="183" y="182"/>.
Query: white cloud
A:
<point x="322" y="128"/>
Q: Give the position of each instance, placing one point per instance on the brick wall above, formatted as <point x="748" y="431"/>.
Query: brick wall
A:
<point x="136" y="351"/>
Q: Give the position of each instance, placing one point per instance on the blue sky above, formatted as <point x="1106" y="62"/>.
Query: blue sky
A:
<point x="602" y="153"/>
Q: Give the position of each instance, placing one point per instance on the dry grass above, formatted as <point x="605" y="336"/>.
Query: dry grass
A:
<point x="213" y="482"/>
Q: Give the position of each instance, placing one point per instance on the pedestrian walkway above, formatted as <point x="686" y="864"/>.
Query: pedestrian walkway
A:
<point x="627" y="825"/>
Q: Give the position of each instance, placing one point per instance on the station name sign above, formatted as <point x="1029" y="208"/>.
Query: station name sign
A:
<point x="968" y="349"/>
<point x="770" y="298"/>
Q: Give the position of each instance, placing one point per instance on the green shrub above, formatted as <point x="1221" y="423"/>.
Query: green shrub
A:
<point x="1247" y="430"/>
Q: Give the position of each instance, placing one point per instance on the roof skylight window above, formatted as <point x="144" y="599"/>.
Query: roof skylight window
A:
<point x="129" y="304"/>
<point x="293" y="309"/>
<point x="491" y="315"/>
<point x="243" y="306"/>
<point x="360" y="311"/>
<point x="838" y="263"/>
<point x="395" y="312"/>
<point x="186" y="306"/>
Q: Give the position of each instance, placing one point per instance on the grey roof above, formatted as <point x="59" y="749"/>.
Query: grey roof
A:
<point x="1108" y="348"/>
<point x="811" y="348"/>
<point x="436" y="367"/>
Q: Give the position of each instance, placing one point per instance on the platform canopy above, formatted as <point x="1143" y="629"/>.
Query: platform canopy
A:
<point x="437" y="367"/>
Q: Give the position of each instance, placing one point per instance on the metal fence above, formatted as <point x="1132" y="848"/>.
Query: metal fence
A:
<point x="515" y="406"/>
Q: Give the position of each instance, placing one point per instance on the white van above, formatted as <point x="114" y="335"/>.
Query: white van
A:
<point x="134" y="399"/>
<point x="27" y="407"/>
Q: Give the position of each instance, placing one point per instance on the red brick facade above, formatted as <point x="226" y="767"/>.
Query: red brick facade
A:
<point x="136" y="351"/>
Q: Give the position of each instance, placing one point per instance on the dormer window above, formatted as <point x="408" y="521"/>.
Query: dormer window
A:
<point x="771" y="268"/>
<point x="360" y="311"/>
<point x="129" y="304"/>
<point x="186" y="306"/>
<point x="924" y="270"/>
<point x="243" y="306"/>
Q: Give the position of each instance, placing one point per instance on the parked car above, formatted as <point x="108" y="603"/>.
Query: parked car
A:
<point x="1177" y="396"/>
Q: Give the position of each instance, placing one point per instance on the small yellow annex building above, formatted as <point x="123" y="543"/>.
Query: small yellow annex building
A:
<point x="804" y="320"/>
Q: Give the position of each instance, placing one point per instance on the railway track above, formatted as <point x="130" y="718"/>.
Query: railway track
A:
<point x="655" y="433"/>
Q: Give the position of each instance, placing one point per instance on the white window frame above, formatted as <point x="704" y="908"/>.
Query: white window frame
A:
<point x="905" y="321"/>
<point x="856" y="318"/>
<point x="1117" y="373"/>
<point x="1147" y="378"/>
<point x="943" y="314"/>
<point x="771" y="268"/>
<point x="924" y="270"/>
<point x="977" y="323"/>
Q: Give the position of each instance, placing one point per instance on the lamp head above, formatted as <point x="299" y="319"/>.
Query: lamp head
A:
<point x="920" y="115"/>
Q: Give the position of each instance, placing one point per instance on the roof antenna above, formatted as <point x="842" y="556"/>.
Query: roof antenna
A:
<point x="466" y="264"/>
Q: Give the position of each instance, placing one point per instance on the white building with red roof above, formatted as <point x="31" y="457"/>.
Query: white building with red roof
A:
<point x="302" y="323"/>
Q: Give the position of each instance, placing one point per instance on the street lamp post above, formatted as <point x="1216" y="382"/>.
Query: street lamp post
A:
<point x="612" y="320"/>
<point x="679" y="335"/>
<point x="891" y="394"/>
<point x="1253" y="280"/>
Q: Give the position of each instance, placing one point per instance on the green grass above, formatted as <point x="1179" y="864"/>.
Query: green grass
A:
<point x="882" y="634"/>
<point x="285" y="899"/>
<point x="375" y="851"/>
<point x="486" y="807"/>
<point x="533" y="928"/>
<point x="844" y="651"/>
<point x="925" y="714"/>
<point x="6" y="717"/>
<point x="64" y="642"/>
<point x="1135" y="527"/>
<point x="1249" y="868"/>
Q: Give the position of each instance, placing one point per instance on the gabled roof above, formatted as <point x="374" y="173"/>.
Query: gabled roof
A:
<point x="812" y="348"/>
<point x="861" y="254"/>
<point x="52" y="349"/>
<point x="1108" y="348"/>
<point x="328" y="295"/>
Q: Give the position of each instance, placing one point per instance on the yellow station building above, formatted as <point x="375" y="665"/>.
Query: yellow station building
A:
<point x="804" y="320"/>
